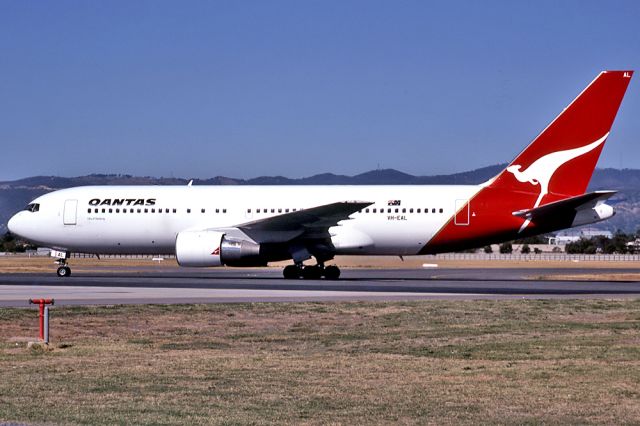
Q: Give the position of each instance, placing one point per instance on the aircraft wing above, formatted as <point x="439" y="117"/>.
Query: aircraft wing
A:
<point x="311" y="223"/>
<point x="569" y="208"/>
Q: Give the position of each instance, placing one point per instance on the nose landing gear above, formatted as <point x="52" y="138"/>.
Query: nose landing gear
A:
<point x="63" y="271"/>
<point x="63" y="268"/>
<point x="311" y="272"/>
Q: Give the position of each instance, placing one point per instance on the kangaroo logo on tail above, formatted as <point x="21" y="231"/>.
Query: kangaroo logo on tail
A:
<point x="542" y="170"/>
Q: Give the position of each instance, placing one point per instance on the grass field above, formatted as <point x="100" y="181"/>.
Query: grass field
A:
<point x="438" y="362"/>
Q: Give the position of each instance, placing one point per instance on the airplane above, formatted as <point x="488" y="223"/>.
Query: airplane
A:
<point x="541" y="190"/>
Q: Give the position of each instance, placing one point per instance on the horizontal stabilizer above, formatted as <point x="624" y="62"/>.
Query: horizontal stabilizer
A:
<point x="581" y="210"/>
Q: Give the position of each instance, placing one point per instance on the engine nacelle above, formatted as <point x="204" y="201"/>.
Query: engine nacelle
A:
<point x="600" y="212"/>
<point x="213" y="248"/>
<point x="199" y="248"/>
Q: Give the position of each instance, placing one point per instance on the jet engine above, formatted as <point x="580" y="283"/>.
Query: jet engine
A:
<point x="601" y="211"/>
<point x="214" y="248"/>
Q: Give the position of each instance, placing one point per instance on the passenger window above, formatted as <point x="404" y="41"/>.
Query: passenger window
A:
<point x="273" y="210"/>
<point x="366" y="210"/>
<point x="139" y="211"/>
<point x="286" y="211"/>
<point x="433" y="210"/>
<point x="418" y="211"/>
<point x="404" y="210"/>
<point x="201" y="210"/>
<point x="175" y="210"/>
<point x="388" y="210"/>
<point x="375" y="210"/>
<point x="396" y="210"/>
<point x="146" y="210"/>
<point x="188" y="210"/>
<point x="110" y="210"/>
<point x="104" y="211"/>
<point x="410" y="210"/>
<point x="224" y="210"/>
<point x="441" y="210"/>
<point x="89" y="211"/>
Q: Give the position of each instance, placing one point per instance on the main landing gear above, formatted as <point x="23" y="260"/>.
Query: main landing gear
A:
<point x="311" y="272"/>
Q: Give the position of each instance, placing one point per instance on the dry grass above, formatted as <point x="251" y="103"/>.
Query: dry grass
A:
<point x="607" y="276"/>
<point x="413" y="262"/>
<point x="437" y="362"/>
<point x="21" y="264"/>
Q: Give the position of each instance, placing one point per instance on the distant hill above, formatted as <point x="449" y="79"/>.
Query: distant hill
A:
<point x="14" y="195"/>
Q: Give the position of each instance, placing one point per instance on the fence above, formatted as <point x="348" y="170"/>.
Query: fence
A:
<point x="558" y="257"/>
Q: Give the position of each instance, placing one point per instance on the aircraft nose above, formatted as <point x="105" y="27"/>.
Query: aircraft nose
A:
<point x="14" y="224"/>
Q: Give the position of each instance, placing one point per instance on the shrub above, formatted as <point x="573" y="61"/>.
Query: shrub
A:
<point x="506" y="248"/>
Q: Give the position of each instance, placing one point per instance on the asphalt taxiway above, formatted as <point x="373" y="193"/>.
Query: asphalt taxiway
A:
<point x="132" y="286"/>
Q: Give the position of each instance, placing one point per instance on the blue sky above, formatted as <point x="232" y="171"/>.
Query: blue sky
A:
<point x="296" y="88"/>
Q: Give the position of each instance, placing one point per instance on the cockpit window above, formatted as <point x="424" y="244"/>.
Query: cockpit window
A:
<point x="33" y="207"/>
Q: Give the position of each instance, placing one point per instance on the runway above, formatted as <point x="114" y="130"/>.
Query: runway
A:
<point x="141" y="286"/>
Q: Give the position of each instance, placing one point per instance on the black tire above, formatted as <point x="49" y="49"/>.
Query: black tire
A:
<point x="332" y="272"/>
<point x="64" y="271"/>
<point x="291" y="272"/>
<point x="312" y="272"/>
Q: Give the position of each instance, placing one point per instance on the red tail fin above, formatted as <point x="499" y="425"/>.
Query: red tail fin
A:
<point x="557" y="165"/>
<point x="560" y="160"/>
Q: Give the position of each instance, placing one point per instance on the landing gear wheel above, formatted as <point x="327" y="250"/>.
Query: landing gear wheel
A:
<point x="312" y="272"/>
<point x="291" y="272"/>
<point x="332" y="272"/>
<point x="64" y="271"/>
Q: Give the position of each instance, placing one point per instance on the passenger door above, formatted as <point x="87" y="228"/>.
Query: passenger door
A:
<point x="70" y="212"/>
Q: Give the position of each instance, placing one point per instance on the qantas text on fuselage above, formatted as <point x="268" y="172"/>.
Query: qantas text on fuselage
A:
<point x="122" y="202"/>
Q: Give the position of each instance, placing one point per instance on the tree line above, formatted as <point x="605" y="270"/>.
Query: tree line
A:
<point x="10" y="243"/>
<point x="620" y="243"/>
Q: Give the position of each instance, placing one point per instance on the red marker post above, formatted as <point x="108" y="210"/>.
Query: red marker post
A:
<point x="44" y="317"/>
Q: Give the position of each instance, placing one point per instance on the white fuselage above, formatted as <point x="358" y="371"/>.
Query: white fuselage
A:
<point x="147" y="219"/>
